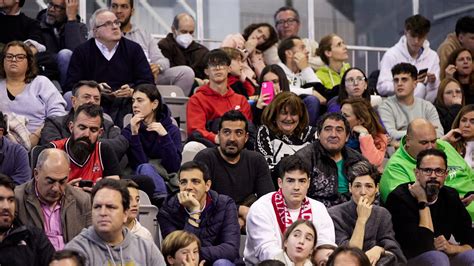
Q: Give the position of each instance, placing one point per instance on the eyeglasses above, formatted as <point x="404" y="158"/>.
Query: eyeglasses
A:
<point x="109" y="24"/>
<point x="355" y="80"/>
<point x="17" y="57"/>
<point x="289" y="21"/>
<point x="217" y="66"/>
<point x="55" y="7"/>
<point x="428" y="171"/>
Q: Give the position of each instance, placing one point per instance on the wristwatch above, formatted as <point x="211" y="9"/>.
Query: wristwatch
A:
<point x="422" y="205"/>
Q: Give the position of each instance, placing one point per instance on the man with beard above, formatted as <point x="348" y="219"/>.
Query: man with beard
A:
<point x="421" y="135"/>
<point x="181" y="76"/>
<point x="90" y="158"/>
<point x="19" y="244"/>
<point x="62" y="31"/>
<point x="236" y="172"/>
<point x="329" y="159"/>
<point x="425" y="214"/>
<point x="49" y="203"/>
<point x="199" y="210"/>
<point x="57" y="127"/>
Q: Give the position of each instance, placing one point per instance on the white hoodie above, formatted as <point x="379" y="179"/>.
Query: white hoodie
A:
<point x="399" y="54"/>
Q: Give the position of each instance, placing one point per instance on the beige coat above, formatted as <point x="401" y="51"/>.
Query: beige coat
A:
<point x="75" y="209"/>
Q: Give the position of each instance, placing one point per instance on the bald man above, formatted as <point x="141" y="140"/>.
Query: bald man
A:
<point x="421" y="135"/>
<point x="49" y="203"/>
<point x="181" y="49"/>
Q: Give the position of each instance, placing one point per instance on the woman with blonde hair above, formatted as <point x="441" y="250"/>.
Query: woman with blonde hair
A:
<point x="368" y="135"/>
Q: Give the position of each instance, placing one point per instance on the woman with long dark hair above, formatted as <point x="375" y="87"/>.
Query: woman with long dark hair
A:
<point x="155" y="142"/>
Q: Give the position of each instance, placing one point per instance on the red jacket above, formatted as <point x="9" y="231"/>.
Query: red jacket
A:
<point x="206" y="105"/>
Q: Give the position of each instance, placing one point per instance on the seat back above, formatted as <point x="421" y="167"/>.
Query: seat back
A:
<point x="176" y="101"/>
<point x="144" y="199"/>
<point x="147" y="217"/>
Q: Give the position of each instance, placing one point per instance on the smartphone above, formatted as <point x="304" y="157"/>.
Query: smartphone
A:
<point x="422" y="71"/>
<point x="86" y="183"/>
<point x="267" y="88"/>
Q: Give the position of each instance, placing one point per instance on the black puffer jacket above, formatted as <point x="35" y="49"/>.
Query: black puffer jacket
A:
<point x="25" y="245"/>
<point x="324" y="179"/>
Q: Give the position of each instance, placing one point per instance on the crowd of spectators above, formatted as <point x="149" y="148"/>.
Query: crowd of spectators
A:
<point x="287" y="159"/>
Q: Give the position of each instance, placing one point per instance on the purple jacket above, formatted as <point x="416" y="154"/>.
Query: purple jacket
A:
<point x="15" y="163"/>
<point x="149" y="145"/>
<point x="219" y="229"/>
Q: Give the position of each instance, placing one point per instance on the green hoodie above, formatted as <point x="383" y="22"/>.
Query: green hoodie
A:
<point x="400" y="169"/>
<point x="133" y="250"/>
<point x="330" y="78"/>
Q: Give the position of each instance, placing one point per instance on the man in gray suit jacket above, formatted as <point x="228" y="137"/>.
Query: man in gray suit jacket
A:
<point x="48" y="202"/>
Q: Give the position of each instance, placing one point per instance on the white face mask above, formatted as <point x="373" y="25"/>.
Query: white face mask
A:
<point x="184" y="40"/>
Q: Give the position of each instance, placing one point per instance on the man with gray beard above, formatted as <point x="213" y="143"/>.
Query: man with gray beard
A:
<point x="425" y="214"/>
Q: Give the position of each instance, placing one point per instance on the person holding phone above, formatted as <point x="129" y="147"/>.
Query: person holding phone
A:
<point x="275" y="75"/>
<point x="285" y="129"/>
<point x="48" y="202"/>
<point x="412" y="47"/>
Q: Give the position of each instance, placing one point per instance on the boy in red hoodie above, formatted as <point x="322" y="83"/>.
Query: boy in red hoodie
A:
<point x="215" y="98"/>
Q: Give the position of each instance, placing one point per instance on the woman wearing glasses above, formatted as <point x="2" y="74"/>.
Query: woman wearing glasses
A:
<point x="333" y="52"/>
<point x="353" y="85"/>
<point x="24" y="93"/>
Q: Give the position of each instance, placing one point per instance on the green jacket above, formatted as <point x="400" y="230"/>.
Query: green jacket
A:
<point x="331" y="78"/>
<point x="400" y="169"/>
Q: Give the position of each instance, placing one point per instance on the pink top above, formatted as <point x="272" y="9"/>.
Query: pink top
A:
<point x="374" y="148"/>
<point x="52" y="223"/>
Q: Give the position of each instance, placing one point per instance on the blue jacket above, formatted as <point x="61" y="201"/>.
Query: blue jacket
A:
<point x="219" y="229"/>
<point x="149" y="145"/>
<point x="15" y="163"/>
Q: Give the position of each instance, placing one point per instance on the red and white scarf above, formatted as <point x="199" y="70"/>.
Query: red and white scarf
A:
<point x="282" y="213"/>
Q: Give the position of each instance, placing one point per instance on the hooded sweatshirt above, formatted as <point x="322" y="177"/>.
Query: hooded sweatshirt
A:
<point x="206" y="105"/>
<point x="133" y="250"/>
<point x="448" y="46"/>
<point x="399" y="170"/>
<point x="399" y="54"/>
